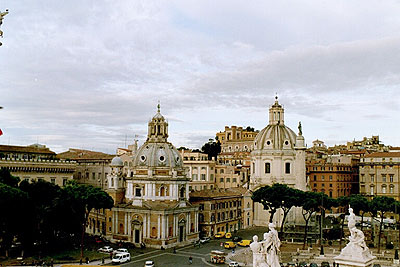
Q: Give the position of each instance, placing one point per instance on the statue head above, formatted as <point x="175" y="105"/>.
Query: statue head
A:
<point x="255" y="238"/>
<point x="266" y="235"/>
<point x="271" y="226"/>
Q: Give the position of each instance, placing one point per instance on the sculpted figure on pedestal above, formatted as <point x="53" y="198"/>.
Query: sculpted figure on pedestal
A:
<point x="271" y="245"/>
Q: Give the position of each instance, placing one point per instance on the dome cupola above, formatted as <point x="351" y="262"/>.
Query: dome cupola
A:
<point x="158" y="128"/>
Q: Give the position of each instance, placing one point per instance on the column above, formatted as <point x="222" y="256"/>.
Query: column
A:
<point x="163" y="226"/>
<point x="198" y="174"/>
<point x="208" y="173"/>
<point x="167" y="226"/>
<point x="116" y="222"/>
<point x="187" y="223"/>
<point x="159" y="226"/>
<point x="174" y="225"/>
<point x="144" y="225"/>
<point x="129" y="224"/>
<point x="190" y="172"/>
<point x="154" y="190"/>
<point x="148" y="224"/>
<point x="196" y="218"/>
<point x="126" y="224"/>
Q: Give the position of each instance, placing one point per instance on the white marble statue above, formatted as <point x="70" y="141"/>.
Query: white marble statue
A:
<point x="356" y="252"/>
<point x="271" y="245"/>
<point x="258" y="254"/>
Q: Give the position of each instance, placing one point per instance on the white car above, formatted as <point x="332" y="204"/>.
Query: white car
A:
<point x="121" y="258"/>
<point x="121" y="250"/>
<point x="233" y="264"/>
<point x="105" y="249"/>
<point x="204" y="240"/>
<point x="149" y="264"/>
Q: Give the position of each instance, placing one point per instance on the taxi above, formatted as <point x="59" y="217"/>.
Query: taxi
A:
<point x="229" y="244"/>
<point x="244" y="243"/>
<point x="220" y="235"/>
<point x="228" y="235"/>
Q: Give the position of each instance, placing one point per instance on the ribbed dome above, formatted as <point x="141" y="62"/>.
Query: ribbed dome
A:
<point x="276" y="137"/>
<point x="117" y="162"/>
<point x="157" y="155"/>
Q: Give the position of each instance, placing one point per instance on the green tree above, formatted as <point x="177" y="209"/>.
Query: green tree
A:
<point x="342" y="201"/>
<point x="212" y="148"/>
<point x="274" y="197"/>
<point x="379" y="206"/>
<point x="310" y="203"/>
<point x="84" y="198"/>
<point x="12" y="206"/>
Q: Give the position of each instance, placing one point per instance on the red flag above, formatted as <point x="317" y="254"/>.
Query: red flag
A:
<point x="1" y="133"/>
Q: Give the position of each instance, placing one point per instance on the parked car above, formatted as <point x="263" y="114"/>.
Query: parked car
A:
<point x="105" y="249"/>
<point x="233" y="264"/>
<point x="236" y="239"/>
<point x="303" y="264"/>
<point x="220" y="235"/>
<point x="228" y="235"/>
<point x="204" y="240"/>
<point x="121" y="258"/>
<point x="290" y="264"/>
<point x="324" y="264"/>
<point x="149" y="264"/>
<point x="121" y="250"/>
<point x="229" y="244"/>
<point x="244" y="243"/>
<point x="313" y="264"/>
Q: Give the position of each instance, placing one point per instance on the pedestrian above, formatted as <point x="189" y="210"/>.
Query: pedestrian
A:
<point x="190" y="260"/>
<point x="102" y="260"/>
<point x="111" y="255"/>
<point x="87" y="260"/>
<point x="80" y="261"/>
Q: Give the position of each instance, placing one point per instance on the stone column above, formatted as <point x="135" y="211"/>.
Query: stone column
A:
<point x="196" y="223"/>
<point x="207" y="175"/>
<point x="145" y="225"/>
<point x="148" y="224"/>
<point x="163" y="226"/>
<point x="126" y="224"/>
<point x="159" y="226"/>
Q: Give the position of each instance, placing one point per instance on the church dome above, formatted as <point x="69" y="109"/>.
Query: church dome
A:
<point x="276" y="135"/>
<point x="157" y="155"/>
<point x="117" y="162"/>
<point x="157" y="151"/>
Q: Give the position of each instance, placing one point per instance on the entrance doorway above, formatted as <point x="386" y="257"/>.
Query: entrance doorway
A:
<point x="137" y="236"/>
<point x="181" y="233"/>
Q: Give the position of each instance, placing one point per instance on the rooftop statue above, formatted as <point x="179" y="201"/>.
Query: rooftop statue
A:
<point x="2" y="15"/>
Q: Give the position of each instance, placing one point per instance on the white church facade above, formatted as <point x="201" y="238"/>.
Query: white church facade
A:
<point x="278" y="157"/>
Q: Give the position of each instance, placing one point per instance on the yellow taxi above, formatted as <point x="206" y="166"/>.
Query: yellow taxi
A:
<point x="229" y="244"/>
<point x="228" y="235"/>
<point x="244" y="243"/>
<point x="220" y="235"/>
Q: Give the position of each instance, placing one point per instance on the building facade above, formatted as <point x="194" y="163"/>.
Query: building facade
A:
<point x="201" y="171"/>
<point x="36" y="162"/>
<point x="380" y="174"/>
<point x="220" y="210"/>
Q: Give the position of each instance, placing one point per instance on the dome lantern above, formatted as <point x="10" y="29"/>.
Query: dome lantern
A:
<point x="276" y="113"/>
<point x="158" y="128"/>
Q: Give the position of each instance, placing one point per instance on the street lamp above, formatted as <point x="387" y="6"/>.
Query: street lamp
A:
<point x="321" y="225"/>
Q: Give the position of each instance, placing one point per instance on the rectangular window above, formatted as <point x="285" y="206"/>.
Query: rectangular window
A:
<point x="53" y="180"/>
<point x="315" y="177"/>
<point x="372" y="178"/>
<point x="65" y="181"/>
<point x="222" y="171"/>
<point x="391" y="178"/>
<point x="212" y="177"/>
<point x="287" y="167"/>
<point x="322" y="177"/>
<point x="221" y="180"/>
<point x="93" y="176"/>
<point x="315" y="185"/>
<point x="194" y="176"/>
<point x="228" y="180"/>
<point x="384" y="178"/>
<point x="234" y="180"/>
<point x="323" y="185"/>
<point x="330" y="177"/>
<point x="330" y="185"/>
<point x="203" y="177"/>
<point x="267" y="167"/>
<point x="138" y="192"/>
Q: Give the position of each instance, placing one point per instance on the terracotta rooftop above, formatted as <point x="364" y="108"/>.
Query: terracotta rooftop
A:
<point x="216" y="193"/>
<point x="26" y="149"/>
<point x="383" y="154"/>
<point x="76" y="154"/>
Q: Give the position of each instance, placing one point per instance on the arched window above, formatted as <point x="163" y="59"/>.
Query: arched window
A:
<point x="182" y="192"/>
<point x="162" y="191"/>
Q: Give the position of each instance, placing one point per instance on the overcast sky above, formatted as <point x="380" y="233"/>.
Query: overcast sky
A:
<point x="89" y="74"/>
